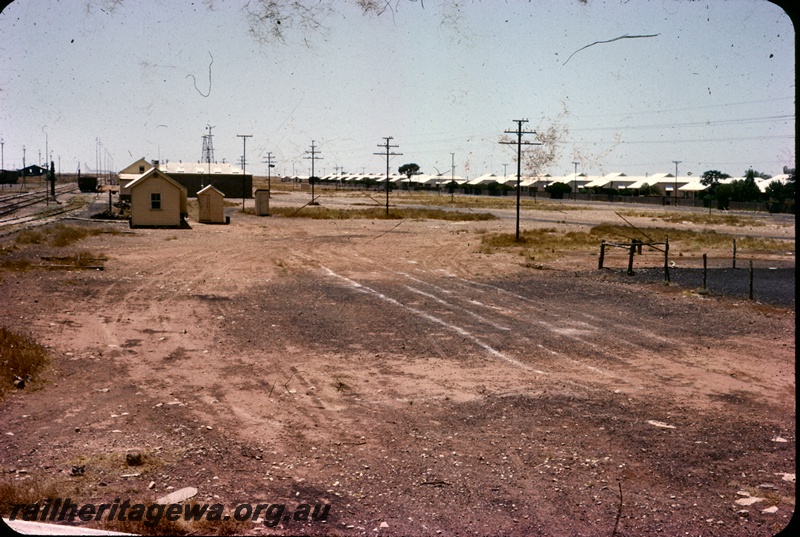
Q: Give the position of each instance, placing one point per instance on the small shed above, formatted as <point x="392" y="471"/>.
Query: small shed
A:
<point x="262" y="202"/>
<point x="212" y="205"/>
<point x="157" y="201"/>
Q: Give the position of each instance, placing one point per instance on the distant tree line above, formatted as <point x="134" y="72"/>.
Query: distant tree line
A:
<point x="745" y="190"/>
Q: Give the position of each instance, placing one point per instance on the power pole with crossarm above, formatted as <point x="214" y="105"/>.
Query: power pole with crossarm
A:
<point x="314" y="151"/>
<point x="388" y="154"/>
<point x="244" y="138"/>
<point x="519" y="132"/>
<point x="270" y="165"/>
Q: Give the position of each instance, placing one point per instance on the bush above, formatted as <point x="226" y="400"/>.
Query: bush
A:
<point x="557" y="190"/>
<point x="20" y="358"/>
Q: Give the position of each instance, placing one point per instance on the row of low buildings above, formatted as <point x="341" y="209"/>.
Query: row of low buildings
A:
<point x="158" y="192"/>
<point x="686" y="186"/>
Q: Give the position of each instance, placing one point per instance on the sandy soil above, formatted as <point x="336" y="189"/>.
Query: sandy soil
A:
<point x="416" y="385"/>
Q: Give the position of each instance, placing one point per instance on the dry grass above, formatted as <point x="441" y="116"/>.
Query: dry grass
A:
<point x="540" y="244"/>
<point x="689" y="240"/>
<point x="716" y="218"/>
<point x="59" y="235"/>
<point x="324" y="213"/>
<point x="543" y="244"/>
<point x="20" y="357"/>
<point x="20" y="253"/>
<point x="24" y="491"/>
<point x="482" y="202"/>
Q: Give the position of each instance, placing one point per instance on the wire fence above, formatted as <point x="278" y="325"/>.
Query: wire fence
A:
<point x="738" y="274"/>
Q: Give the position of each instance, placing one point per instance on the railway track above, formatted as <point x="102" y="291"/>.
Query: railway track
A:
<point x="11" y="203"/>
<point x="33" y="206"/>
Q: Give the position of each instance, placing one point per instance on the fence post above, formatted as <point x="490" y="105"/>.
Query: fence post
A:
<point x="751" y="279"/>
<point x="630" y="257"/>
<point x="639" y="246"/>
<point x="734" y="253"/>
<point x="602" y="254"/>
<point x="705" y="269"/>
<point x="666" y="259"/>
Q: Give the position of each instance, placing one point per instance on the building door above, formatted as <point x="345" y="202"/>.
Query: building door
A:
<point x="205" y="208"/>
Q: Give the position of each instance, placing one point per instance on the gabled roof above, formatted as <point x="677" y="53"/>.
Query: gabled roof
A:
<point x="614" y="177"/>
<point x="693" y="186"/>
<point x="133" y="169"/>
<point x="143" y="178"/>
<point x="485" y="179"/>
<point x="210" y="189"/>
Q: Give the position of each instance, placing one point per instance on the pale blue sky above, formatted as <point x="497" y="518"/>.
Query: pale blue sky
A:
<point x="714" y="89"/>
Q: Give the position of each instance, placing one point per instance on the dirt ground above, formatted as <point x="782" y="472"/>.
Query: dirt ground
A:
<point x="416" y="385"/>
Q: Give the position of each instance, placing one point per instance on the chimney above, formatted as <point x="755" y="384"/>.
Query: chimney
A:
<point x="156" y="165"/>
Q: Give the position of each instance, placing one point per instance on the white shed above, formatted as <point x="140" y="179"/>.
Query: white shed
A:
<point x="211" y="201"/>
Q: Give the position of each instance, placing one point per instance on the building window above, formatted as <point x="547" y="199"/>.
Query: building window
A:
<point x="155" y="201"/>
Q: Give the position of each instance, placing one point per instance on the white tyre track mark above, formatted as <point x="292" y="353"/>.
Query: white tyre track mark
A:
<point x="461" y="331"/>
<point x="569" y="333"/>
<point x="444" y="302"/>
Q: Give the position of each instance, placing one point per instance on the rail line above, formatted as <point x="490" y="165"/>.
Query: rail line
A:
<point x="12" y="203"/>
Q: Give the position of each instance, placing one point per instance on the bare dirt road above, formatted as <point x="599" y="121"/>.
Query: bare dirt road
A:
<point x="415" y="385"/>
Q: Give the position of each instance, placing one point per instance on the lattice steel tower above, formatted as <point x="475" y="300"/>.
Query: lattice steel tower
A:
<point x="208" y="147"/>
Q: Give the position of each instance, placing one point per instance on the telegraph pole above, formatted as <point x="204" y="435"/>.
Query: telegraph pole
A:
<point x="575" y="181"/>
<point x="388" y="154"/>
<point x="313" y="158"/>
<point x="676" y="162"/>
<point x="452" y="177"/>
<point x="270" y="165"/>
<point x="244" y="138"/>
<point x="519" y="132"/>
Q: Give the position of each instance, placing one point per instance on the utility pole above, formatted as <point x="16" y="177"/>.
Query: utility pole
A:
<point x="575" y="181"/>
<point x="46" y="145"/>
<point x="452" y="177"/>
<point x="676" y="180"/>
<point x="519" y="132"/>
<point x="244" y="138"/>
<point x="270" y="165"/>
<point x="313" y="158"/>
<point x="388" y="154"/>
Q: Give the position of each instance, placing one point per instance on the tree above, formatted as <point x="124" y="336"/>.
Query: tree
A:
<point x="746" y="190"/>
<point x="713" y="177"/>
<point x="778" y="193"/>
<point x="753" y="174"/>
<point x="409" y="169"/>
<point x="723" y="194"/>
<point x="557" y="190"/>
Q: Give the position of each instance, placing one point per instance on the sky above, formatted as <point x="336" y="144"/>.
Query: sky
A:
<point x="102" y="83"/>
